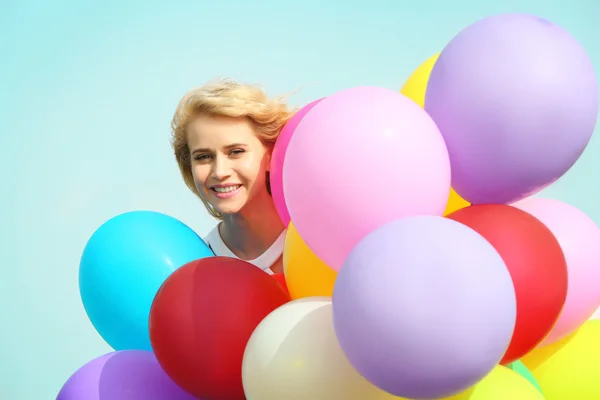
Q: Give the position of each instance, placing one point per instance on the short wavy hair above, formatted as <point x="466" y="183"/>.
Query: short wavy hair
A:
<point x="232" y="99"/>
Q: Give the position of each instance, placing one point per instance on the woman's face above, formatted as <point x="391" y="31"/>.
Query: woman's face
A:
<point x="228" y="160"/>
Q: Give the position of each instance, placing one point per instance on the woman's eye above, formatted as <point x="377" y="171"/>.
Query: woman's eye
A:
<point x="237" y="152"/>
<point x="202" y="157"/>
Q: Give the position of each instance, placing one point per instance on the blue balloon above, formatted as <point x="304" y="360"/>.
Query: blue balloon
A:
<point x="124" y="264"/>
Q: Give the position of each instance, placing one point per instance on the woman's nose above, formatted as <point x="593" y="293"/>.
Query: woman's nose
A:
<point x="221" y="169"/>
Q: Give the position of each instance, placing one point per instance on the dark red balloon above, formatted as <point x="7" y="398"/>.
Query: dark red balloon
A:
<point x="202" y="318"/>
<point x="536" y="264"/>
<point x="281" y="279"/>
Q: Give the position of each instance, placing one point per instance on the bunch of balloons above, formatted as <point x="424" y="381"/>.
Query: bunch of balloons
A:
<point x="414" y="215"/>
<point x="417" y="265"/>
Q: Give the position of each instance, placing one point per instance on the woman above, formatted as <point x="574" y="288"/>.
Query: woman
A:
<point x="223" y="136"/>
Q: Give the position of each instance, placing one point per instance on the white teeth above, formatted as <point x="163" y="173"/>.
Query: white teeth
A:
<point x="226" y="189"/>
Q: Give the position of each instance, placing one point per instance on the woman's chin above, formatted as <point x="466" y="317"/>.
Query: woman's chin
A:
<point x="229" y="209"/>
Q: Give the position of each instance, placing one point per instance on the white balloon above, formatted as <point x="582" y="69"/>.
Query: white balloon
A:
<point x="294" y="354"/>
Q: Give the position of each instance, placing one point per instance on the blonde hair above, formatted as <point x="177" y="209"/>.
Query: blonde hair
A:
<point x="232" y="99"/>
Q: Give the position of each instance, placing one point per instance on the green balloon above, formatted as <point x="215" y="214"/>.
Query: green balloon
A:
<point x="522" y="370"/>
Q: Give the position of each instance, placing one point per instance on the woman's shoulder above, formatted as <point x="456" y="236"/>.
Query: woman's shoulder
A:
<point x="212" y="235"/>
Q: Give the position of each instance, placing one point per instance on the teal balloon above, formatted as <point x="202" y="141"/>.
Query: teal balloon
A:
<point x="522" y="370"/>
<point x="123" y="265"/>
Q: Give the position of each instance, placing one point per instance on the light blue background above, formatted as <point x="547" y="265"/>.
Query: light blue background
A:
<point x="86" y="97"/>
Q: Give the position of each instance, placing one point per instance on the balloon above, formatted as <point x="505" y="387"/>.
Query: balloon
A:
<point x="516" y="98"/>
<point x="501" y="384"/>
<point x="293" y="355"/>
<point x="280" y="278"/>
<point x="202" y="318"/>
<point x="376" y="154"/>
<point x="522" y="370"/>
<point x="536" y="263"/>
<point x="455" y="202"/>
<point x="415" y="86"/>
<point x="277" y="158"/>
<point x="579" y="239"/>
<point x="122" y="267"/>
<point x="568" y="369"/>
<point x="424" y="307"/>
<point x="305" y="273"/>
<point x="122" y="375"/>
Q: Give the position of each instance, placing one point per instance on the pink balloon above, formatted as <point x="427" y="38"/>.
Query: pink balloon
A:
<point x="279" y="150"/>
<point x="579" y="238"/>
<point x="362" y="157"/>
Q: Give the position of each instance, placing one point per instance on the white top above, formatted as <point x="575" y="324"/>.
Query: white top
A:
<point x="264" y="261"/>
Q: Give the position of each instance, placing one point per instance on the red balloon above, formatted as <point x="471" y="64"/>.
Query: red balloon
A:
<point x="202" y="318"/>
<point x="536" y="263"/>
<point x="281" y="279"/>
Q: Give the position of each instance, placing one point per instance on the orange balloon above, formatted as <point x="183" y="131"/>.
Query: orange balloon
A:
<point x="305" y="274"/>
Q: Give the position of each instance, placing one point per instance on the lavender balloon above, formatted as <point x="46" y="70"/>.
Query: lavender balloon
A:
<point x="424" y="307"/>
<point x="516" y="99"/>
<point x="122" y="375"/>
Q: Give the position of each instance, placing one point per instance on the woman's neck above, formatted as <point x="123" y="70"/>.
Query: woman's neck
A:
<point x="249" y="233"/>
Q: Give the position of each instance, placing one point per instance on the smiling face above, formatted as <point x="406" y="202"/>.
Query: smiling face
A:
<point x="228" y="161"/>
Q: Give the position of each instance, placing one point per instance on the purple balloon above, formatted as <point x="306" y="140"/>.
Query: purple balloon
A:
<point x="516" y="99"/>
<point x="122" y="375"/>
<point x="424" y="307"/>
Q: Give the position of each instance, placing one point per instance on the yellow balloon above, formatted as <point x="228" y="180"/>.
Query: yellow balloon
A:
<point x="570" y="368"/>
<point x="414" y="88"/>
<point x="416" y="85"/>
<point x="305" y="274"/>
<point x="455" y="202"/>
<point x="501" y="384"/>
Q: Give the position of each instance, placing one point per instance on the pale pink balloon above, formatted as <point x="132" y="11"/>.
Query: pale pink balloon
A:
<point x="579" y="238"/>
<point x="277" y="158"/>
<point x="360" y="158"/>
